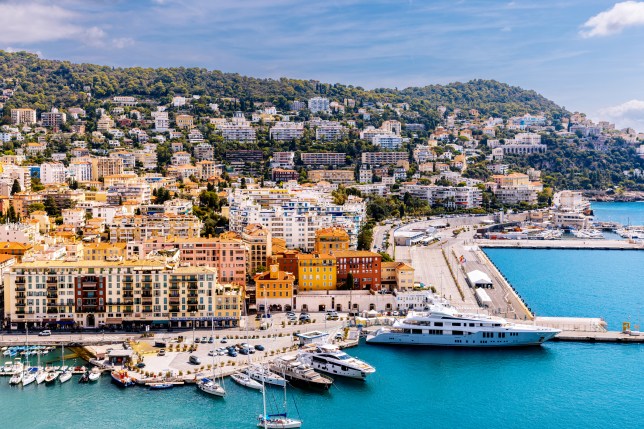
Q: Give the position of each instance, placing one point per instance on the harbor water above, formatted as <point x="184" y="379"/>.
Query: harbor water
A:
<point x="559" y="385"/>
<point x="624" y="213"/>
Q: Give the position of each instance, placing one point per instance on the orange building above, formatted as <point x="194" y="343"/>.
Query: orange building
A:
<point x="331" y="239"/>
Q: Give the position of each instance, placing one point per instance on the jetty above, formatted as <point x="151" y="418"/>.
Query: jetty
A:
<point x="577" y="244"/>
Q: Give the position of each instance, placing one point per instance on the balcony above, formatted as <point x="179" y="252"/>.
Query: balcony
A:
<point x="128" y="310"/>
<point x="174" y="309"/>
<point x="20" y="288"/>
<point x="52" y="280"/>
<point x="193" y="301"/>
<point x="20" y="304"/>
<point x="20" y="280"/>
<point x="52" y="288"/>
<point x="52" y="294"/>
<point x="146" y="294"/>
<point x="128" y="295"/>
<point x="52" y="310"/>
<point x="192" y="308"/>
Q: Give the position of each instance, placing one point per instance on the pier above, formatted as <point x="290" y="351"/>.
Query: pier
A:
<point x="577" y="244"/>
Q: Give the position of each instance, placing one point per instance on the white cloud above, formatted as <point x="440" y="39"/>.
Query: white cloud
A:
<point x="32" y="22"/>
<point x="612" y="21"/>
<point x="628" y="114"/>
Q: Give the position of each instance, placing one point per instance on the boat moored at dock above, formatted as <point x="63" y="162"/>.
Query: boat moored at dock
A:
<point x="122" y="379"/>
<point x="300" y="373"/>
<point x="443" y="325"/>
<point x="330" y="359"/>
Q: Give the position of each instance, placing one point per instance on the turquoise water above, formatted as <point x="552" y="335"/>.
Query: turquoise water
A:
<point x="585" y="283"/>
<point x="559" y="385"/>
<point x="620" y="212"/>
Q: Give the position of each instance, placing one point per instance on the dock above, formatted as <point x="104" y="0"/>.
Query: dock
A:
<point x="577" y="244"/>
<point x="599" y="337"/>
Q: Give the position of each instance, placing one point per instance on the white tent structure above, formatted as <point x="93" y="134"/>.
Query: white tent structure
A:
<point x="478" y="278"/>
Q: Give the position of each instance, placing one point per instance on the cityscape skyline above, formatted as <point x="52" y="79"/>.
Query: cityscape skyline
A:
<point x="575" y="53"/>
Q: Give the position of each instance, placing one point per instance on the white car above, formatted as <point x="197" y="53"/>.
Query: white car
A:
<point x="45" y="333"/>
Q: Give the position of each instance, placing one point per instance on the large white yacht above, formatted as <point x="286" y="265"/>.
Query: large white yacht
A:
<point x="330" y="359"/>
<point x="443" y="325"/>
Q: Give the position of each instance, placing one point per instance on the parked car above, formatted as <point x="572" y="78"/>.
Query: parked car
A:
<point x="332" y="315"/>
<point x="211" y="340"/>
<point x="232" y="353"/>
<point x="197" y="340"/>
<point x="140" y="365"/>
<point x="212" y="353"/>
<point x="259" y="347"/>
<point x="339" y="336"/>
<point x="266" y="316"/>
<point x="204" y="339"/>
<point x="44" y="333"/>
<point x="194" y="360"/>
<point x="161" y="352"/>
<point x="290" y="313"/>
<point x="243" y="351"/>
<point x="224" y="340"/>
<point x="305" y="318"/>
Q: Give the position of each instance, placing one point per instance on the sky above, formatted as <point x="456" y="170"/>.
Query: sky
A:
<point x="586" y="55"/>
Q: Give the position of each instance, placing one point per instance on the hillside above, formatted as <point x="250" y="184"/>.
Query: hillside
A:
<point x="44" y="83"/>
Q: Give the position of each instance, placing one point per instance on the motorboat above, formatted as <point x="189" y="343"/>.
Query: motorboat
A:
<point x="122" y="379"/>
<point x="94" y="374"/>
<point x="245" y="380"/>
<point x="444" y="325"/>
<point x="84" y="378"/>
<point x="330" y="359"/>
<point x="16" y="378"/>
<point x="300" y="373"/>
<point x="160" y="386"/>
<point x="211" y="387"/>
<point x="262" y="374"/>
<point x="41" y="376"/>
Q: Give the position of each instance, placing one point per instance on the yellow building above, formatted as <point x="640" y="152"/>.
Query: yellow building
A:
<point x="274" y="284"/>
<point x="184" y="121"/>
<point x="397" y="275"/>
<point x="104" y="251"/>
<point x="330" y="239"/>
<point x="15" y="249"/>
<point x="316" y="271"/>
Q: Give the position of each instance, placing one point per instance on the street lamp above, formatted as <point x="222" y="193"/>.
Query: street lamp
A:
<point x="192" y="314"/>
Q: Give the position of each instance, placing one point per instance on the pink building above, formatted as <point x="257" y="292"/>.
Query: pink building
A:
<point x="227" y="255"/>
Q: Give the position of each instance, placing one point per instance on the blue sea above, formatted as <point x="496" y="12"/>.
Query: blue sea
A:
<point x="624" y="213"/>
<point x="559" y="385"/>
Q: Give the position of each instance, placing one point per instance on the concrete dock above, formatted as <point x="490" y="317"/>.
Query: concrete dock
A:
<point x="577" y="244"/>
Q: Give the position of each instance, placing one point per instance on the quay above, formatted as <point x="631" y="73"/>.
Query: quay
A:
<point x="577" y="244"/>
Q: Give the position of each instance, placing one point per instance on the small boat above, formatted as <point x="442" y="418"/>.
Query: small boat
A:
<point x="160" y="386"/>
<point x="264" y="375"/>
<point x="51" y="377"/>
<point x="28" y="378"/>
<point x="79" y="370"/>
<point x="246" y="381"/>
<point x="122" y="378"/>
<point x="65" y="376"/>
<point x="94" y="374"/>
<point x="278" y="421"/>
<point x="84" y="378"/>
<point x="8" y="367"/>
<point x="41" y="375"/>
<point x="16" y="378"/>
<point x="211" y="387"/>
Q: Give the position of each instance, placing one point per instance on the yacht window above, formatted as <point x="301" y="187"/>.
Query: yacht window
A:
<point x="416" y="331"/>
<point x="456" y="324"/>
<point x="472" y="324"/>
<point x="438" y="323"/>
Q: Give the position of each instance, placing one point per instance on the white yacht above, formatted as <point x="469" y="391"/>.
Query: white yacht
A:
<point x="443" y="325"/>
<point x="264" y="375"/>
<point x="330" y="359"/>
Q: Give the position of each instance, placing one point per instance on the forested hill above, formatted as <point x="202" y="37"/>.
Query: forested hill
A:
<point x="41" y="84"/>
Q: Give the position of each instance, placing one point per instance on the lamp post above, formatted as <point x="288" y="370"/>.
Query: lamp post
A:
<point x="192" y="314"/>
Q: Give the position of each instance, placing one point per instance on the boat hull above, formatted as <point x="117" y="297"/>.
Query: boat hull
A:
<point x="307" y="384"/>
<point x="278" y="423"/>
<point x="337" y="370"/>
<point x="122" y="381"/>
<point x="524" y="339"/>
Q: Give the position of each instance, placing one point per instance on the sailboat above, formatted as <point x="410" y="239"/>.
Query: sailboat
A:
<point x="41" y="374"/>
<point x="18" y="368"/>
<point x="66" y="373"/>
<point x="29" y="375"/>
<point x="211" y="386"/>
<point x="276" y="421"/>
<point x="245" y="379"/>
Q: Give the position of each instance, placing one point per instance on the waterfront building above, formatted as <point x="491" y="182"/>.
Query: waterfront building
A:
<point x="274" y="287"/>
<point x="396" y="276"/>
<point x="363" y="265"/>
<point x="123" y="293"/>
<point x="316" y="271"/>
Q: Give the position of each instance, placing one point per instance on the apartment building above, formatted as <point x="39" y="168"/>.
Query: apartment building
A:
<point x="237" y="132"/>
<point x="204" y="152"/>
<point x="103" y="167"/>
<point x="181" y="158"/>
<point x="53" y="119"/>
<point x="227" y="255"/>
<point x="138" y="228"/>
<point x="283" y="175"/>
<point x="383" y="158"/>
<point x="331" y="239"/>
<point x="23" y="116"/>
<point x="333" y="176"/>
<point x="283" y="160"/>
<point x="450" y="197"/>
<point x="330" y="132"/>
<point x="52" y="173"/>
<point x="161" y="121"/>
<point x="184" y="121"/>
<point x="324" y="158"/>
<point x="363" y="265"/>
<point x="257" y="239"/>
<point x="387" y="141"/>
<point x="318" y="104"/>
<point x="316" y="271"/>
<point x="396" y="276"/>
<point x="285" y="131"/>
<point x="119" y="293"/>
<point x="104" y="251"/>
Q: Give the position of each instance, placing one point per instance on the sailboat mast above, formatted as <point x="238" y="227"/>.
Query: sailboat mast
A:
<point x="264" y="401"/>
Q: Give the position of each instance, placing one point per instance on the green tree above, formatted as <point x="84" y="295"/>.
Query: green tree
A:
<point x="15" y="187"/>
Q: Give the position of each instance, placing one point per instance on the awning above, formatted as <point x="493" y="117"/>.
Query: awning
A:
<point x="65" y="322"/>
<point x="113" y="321"/>
<point x="160" y="322"/>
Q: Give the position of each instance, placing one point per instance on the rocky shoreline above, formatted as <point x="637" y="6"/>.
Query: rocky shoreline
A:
<point x="623" y="197"/>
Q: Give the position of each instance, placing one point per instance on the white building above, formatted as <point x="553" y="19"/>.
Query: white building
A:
<point x="319" y="104"/>
<point x="204" y="152"/>
<point x="52" y="173"/>
<point x="161" y="121"/>
<point x="284" y="131"/>
<point x="387" y="141"/>
<point x="74" y="217"/>
<point x="450" y="197"/>
<point x="80" y="170"/>
<point x="180" y="158"/>
<point x="283" y="160"/>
